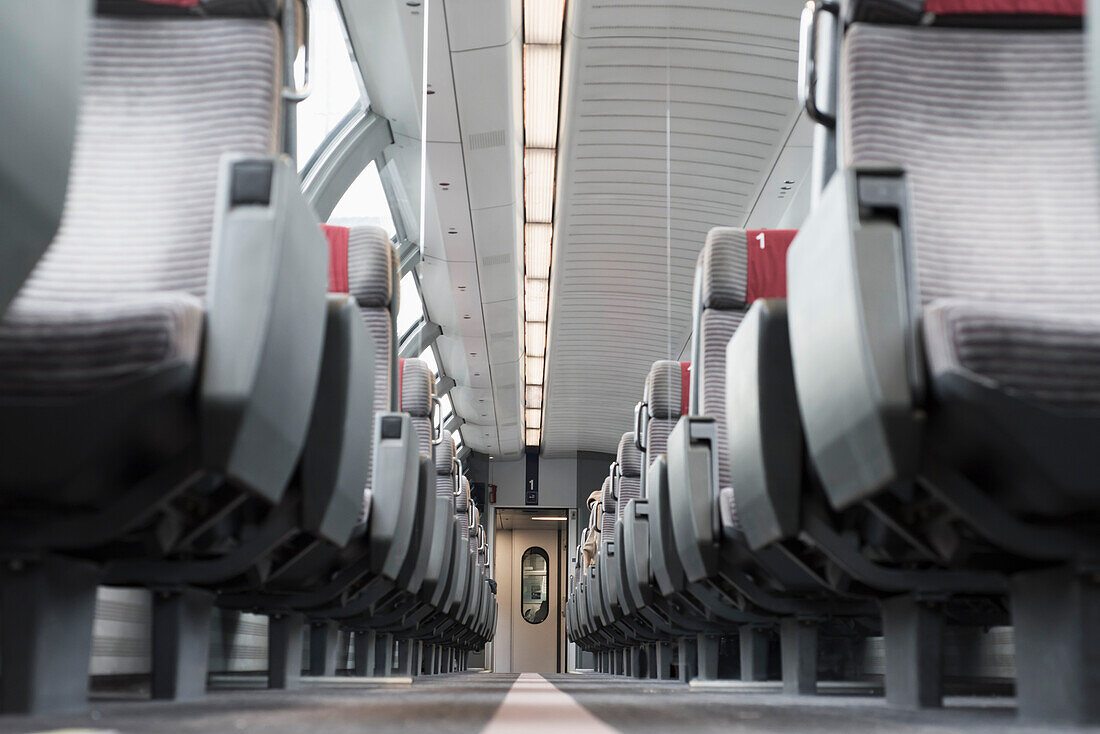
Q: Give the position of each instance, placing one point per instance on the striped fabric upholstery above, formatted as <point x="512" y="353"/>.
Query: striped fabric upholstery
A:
<point x="371" y="260"/>
<point x="664" y="398"/>
<point x="445" y="466"/>
<point x="725" y="268"/>
<point x="718" y="327"/>
<point x="1049" y="357"/>
<point x="120" y="291"/>
<point x="475" y="520"/>
<point x="664" y="389"/>
<point x="463" y="509"/>
<point x="607" y="510"/>
<point x="994" y="132"/>
<point x="417" y="391"/>
<point x="630" y="463"/>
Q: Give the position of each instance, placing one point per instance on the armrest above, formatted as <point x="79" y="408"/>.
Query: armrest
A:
<point x="411" y="577"/>
<point x="765" y="432"/>
<point x="42" y="52"/>
<point x="395" y="476"/>
<point x="265" y="324"/>
<point x="692" y="457"/>
<point x="636" y="532"/>
<point x="334" y="463"/>
<point x="853" y="346"/>
<point x="442" y="548"/>
<point x="663" y="559"/>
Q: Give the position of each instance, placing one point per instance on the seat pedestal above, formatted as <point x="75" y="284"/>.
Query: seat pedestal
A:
<point x="754" y="653"/>
<point x="688" y="659"/>
<point x="383" y="655"/>
<point x="913" y="632"/>
<point x="1056" y="616"/>
<point x="798" y="642"/>
<point x="284" y="650"/>
<point x="323" y="648"/>
<point x="364" y="653"/>
<point x="48" y="607"/>
<point x="708" y="647"/>
<point x="663" y="657"/>
<point x="181" y="641"/>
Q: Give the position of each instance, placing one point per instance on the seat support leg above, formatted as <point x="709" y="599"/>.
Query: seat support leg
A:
<point x="913" y="631"/>
<point x="284" y="650"/>
<point x="364" y="653"/>
<point x="754" y="653"/>
<point x="708" y="646"/>
<point x="1056" y="616"/>
<point x="688" y="659"/>
<point x="181" y="641"/>
<point x="48" y="608"/>
<point x="798" y="643"/>
<point x="322" y="647"/>
<point x="664" y="660"/>
<point x="635" y="663"/>
<point x="383" y="655"/>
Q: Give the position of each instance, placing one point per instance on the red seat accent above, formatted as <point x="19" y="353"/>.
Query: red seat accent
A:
<point x="1006" y="7"/>
<point x="768" y="263"/>
<point x="337" y="257"/>
<point x="685" y="386"/>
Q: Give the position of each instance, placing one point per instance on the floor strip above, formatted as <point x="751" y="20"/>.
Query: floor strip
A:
<point x="534" y="706"/>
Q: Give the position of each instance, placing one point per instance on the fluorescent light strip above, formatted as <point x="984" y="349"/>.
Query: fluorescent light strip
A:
<point x="541" y="86"/>
<point x="543" y="20"/>
<point x="538" y="184"/>
<point x="535" y="338"/>
<point x="551" y="519"/>
<point x="537" y="242"/>
<point x="536" y="296"/>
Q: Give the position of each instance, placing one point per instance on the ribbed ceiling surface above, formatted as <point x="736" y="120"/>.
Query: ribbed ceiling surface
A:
<point x="672" y="114"/>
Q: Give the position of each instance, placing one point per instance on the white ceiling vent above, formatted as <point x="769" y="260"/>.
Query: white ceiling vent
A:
<point x="491" y="139"/>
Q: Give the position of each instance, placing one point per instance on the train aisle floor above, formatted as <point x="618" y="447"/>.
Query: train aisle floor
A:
<point x="524" y="704"/>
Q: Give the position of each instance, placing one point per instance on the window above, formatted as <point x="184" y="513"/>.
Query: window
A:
<point x="428" y="355"/>
<point x="534" y="585"/>
<point x="334" y="79"/>
<point x="411" y="310"/>
<point x="448" y="408"/>
<point x="365" y="203"/>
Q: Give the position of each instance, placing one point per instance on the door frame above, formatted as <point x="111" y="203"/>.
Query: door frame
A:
<point x="566" y="540"/>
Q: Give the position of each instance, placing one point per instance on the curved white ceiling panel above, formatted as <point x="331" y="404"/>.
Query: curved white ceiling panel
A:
<point x="673" y="113"/>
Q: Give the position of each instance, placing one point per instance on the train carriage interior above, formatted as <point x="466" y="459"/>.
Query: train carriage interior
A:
<point x="549" y="365"/>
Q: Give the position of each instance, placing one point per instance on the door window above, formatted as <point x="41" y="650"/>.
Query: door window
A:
<point x="534" y="585"/>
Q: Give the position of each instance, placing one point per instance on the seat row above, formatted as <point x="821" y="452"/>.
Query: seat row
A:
<point x="199" y="386"/>
<point x="888" y="423"/>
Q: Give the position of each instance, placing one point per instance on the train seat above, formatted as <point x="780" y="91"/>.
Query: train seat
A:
<point x="943" y="306"/>
<point x="171" y="336"/>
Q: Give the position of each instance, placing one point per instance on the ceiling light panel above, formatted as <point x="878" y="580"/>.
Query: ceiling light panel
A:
<point x="541" y="86"/>
<point x="534" y="418"/>
<point x="533" y="436"/>
<point x="534" y="370"/>
<point x="543" y="20"/>
<point x="536" y="339"/>
<point x="538" y="184"/>
<point x="536" y="295"/>
<point x="534" y="396"/>
<point x="537" y="240"/>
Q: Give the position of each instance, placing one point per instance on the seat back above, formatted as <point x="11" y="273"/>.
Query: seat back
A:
<point x="163" y="100"/>
<point x="629" y="460"/>
<point x="418" y="400"/>
<point x="446" y="467"/>
<point x="666" y="399"/>
<point x="362" y="263"/>
<point x="607" y="507"/>
<point x="735" y="268"/>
